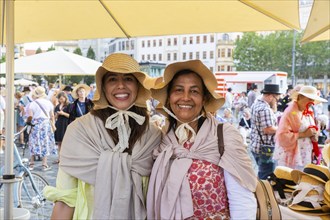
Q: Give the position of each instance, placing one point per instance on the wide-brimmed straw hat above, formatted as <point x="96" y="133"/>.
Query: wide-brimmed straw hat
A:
<point x="283" y="174"/>
<point x="309" y="92"/>
<point x="39" y="92"/>
<point x="326" y="194"/>
<point x="75" y="89"/>
<point x="124" y="64"/>
<point x="317" y="172"/>
<point x="196" y="66"/>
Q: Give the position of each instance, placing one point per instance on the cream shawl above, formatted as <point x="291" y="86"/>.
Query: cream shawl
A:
<point x="87" y="155"/>
<point x="169" y="194"/>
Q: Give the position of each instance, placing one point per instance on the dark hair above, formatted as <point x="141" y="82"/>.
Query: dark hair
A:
<point x="206" y="94"/>
<point x="136" y="129"/>
<point x="229" y="89"/>
<point x="63" y="94"/>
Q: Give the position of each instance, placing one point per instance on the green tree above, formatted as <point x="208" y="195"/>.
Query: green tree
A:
<point x="77" y="51"/>
<point x="91" y="53"/>
<point x="38" y="50"/>
<point x="3" y="59"/>
<point x="271" y="52"/>
<point x="51" y="48"/>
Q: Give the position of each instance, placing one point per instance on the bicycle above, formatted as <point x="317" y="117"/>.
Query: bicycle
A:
<point x="27" y="193"/>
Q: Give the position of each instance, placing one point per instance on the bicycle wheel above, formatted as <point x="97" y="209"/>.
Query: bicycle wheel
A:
<point x="32" y="199"/>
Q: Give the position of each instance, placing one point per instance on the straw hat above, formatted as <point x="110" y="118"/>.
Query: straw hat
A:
<point x="309" y="92"/>
<point x="39" y="92"/>
<point x="284" y="175"/>
<point x="326" y="154"/>
<point x="318" y="172"/>
<point x="75" y="89"/>
<point x="196" y="66"/>
<point x="124" y="64"/>
<point x="326" y="194"/>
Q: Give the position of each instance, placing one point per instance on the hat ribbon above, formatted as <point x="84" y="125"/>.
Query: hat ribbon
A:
<point x="120" y="120"/>
<point x="303" y="189"/>
<point x="182" y="132"/>
<point x="306" y="111"/>
<point x="280" y="184"/>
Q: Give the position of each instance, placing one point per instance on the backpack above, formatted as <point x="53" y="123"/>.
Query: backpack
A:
<point x="266" y="201"/>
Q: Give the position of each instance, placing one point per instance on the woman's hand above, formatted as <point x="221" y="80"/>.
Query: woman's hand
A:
<point x="309" y="132"/>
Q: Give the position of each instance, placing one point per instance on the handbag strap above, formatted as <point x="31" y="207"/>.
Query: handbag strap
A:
<point x="42" y="109"/>
<point x="221" y="144"/>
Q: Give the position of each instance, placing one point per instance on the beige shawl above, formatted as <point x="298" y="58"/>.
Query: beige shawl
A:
<point x="87" y="155"/>
<point x="169" y="195"/>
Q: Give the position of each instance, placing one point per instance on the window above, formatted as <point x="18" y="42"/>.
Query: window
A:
<point x="168" y="57"/>
<point x="211" y="54"/>
<point x="218" y="68"/>
<point x="168" y="41"/>
<point x="223" y="52"/>
<point x="197" y="55"/>
<point x="219" y="52"/>
<point x="212" y="38"/>
<point x="148" y="43"/>
<point x="175" y="56"/>
<point x="143" y="45"/>
<point x="225" y="37"/>
<point x="160" y="42"/>
<point x="154" y="57"/>
<point x="160" y="58"/>
<point x="184" y="40"/>
<point x="228" y="68"/>
<point x="228" y="52"/>
<point x="190" y="55"/>
<point x="143" y="57"/>
<point x="127" y="45"/>
<point x="119" y="44"/>
<point x="132" y="45"/>
<point x="154" y="43"/>
<point x="198" y="39"/>
<point x="148" y="56"/>
<point x="184" y="56"/>
<point x="211" y="69"/>
<point x="175" y="41"/>
<point x="205" y="39"/>
<point x="222" y="68"/>
<point x="204" y="55"/>
<point x="191" y="40"/>
<point x="123" y="45"/>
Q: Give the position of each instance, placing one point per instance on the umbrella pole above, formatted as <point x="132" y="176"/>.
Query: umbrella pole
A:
<point x="8" y="204"/>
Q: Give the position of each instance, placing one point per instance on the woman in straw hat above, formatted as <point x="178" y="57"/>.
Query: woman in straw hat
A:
<point x="82" y="105"/>
<point x="41" y="139"/>
<point x="106" y="155"/>
<point x="190" y="179"/>
<point x="297" y="132"/>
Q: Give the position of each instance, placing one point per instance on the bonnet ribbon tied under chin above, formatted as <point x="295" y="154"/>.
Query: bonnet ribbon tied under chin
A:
<point x="182" y="132"/>
<point x="120" y="120"/>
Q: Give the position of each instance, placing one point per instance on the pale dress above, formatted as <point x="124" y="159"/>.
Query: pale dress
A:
<point x="305" y="146"/>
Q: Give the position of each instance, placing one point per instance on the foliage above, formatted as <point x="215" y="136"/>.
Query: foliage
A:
<point x="91" y="53"/>
<point x="2" y="59"/>
<point x="77" y="51"/>
<point x="38" y="50"/>
<point x="273" y="52"/>
<point x="51" y="48"/>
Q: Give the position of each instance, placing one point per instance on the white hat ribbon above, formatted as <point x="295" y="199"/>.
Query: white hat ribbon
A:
<point x="304" y="189"/>
<point x="182" y="131"/>
<point x="120" y="120"/>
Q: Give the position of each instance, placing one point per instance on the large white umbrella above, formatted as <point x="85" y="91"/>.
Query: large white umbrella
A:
<point x="45" y="20"/>
<point x="24" y="82"/>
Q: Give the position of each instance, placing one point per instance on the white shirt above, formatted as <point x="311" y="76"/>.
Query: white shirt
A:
<point x="36" y="111"/>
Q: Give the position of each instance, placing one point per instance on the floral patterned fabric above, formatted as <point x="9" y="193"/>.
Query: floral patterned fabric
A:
<point x="41" y="138"/>
<point x="208" y="190"/>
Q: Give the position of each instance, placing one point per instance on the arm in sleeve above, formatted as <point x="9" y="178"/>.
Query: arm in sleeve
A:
<point x="242" y="202"/>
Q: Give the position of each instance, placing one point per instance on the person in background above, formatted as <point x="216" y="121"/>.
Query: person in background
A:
<point x="51" y="90"/>
<point x="20" y="120"/>
<point x="62" y="115"/>
<point x="244" y="125"/>
<point x="297" y="130"/>
<point x="41" y="138"/>
<point x="2" y="119"/>
<point x="106" y="155"/>
<point x="283" y="102"/>
<point x="82" y="105"/>
<point x="190" y="179"/>
<point x="241" y="104"/>
<point x="92" y="91"/>
<point x="68" y="89"/>
<point x="264" y="126"/>
<point x="227" y="117"/>
<point x="252" y="95"/>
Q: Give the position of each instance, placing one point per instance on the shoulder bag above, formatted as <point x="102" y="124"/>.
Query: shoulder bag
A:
<point x="51" y="122"/>
<point x="267" y="204"/>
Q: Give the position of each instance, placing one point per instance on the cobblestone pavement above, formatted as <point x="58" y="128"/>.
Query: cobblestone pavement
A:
<point x="49" y="176"/>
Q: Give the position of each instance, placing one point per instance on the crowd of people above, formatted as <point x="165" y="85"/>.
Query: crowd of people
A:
<point x="121" y="159"/>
